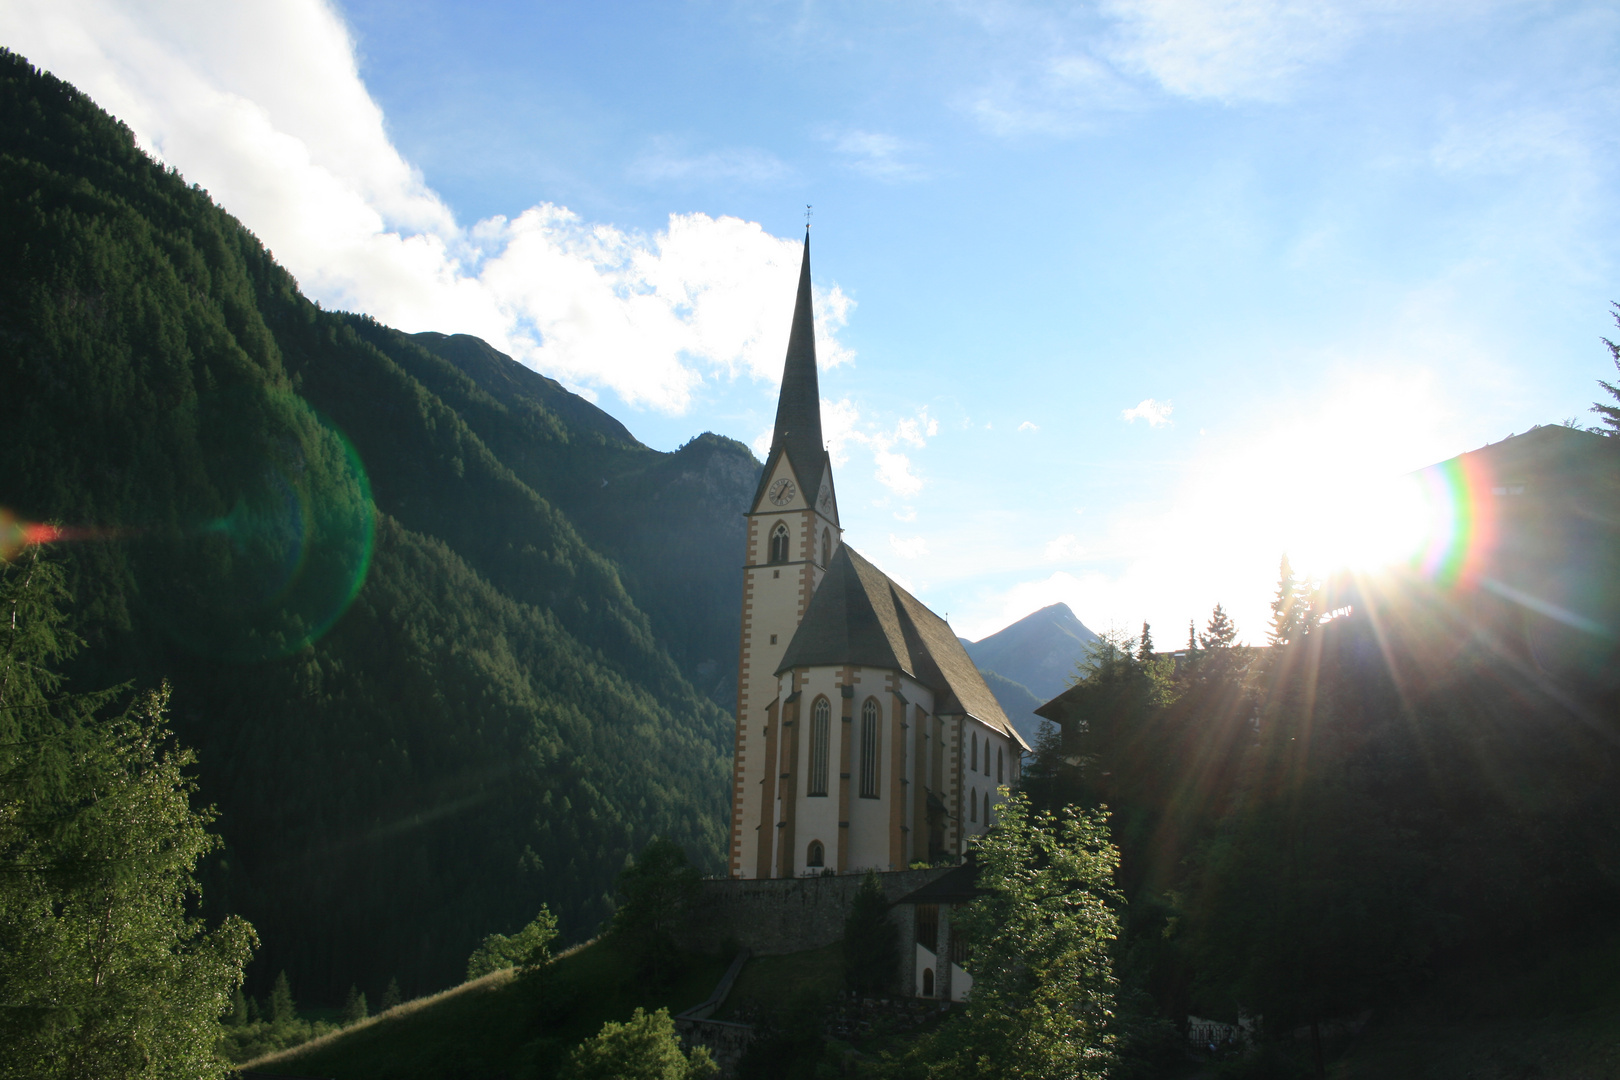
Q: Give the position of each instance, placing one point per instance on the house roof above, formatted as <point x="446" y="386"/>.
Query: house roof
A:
<point x="798" y="408"/>
<point x="859" y="616"/>
<point x="956" y="886"/>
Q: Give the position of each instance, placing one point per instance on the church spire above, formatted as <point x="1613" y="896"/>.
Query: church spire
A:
<point x="798" y="410"/>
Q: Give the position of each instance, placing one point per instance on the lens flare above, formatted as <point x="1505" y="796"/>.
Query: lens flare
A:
<point x="1459" y="528"/>
<point x="16" y="535"/>
<point x="1435" y="522"/>
<point x="275" y="570"/>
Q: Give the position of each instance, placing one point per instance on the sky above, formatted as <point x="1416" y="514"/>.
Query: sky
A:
<point x="1116" y="301"/>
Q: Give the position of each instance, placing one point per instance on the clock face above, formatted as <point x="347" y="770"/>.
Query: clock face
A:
<point x="826" y="497"/>
<point x="781" y="491"/>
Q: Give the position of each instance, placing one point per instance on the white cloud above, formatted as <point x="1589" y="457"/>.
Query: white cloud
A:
<point x="664" y="162"/>
<point x="1062" y="69"/>
<point x="875" y="154"/>
<point x="262" y="105"/>
<point x="842" y="428"/>
<point x="1064" y="547"/>
<point x="913" y="547"/>
<point x="1156" y="413"/>
<point x="1029" y="425"/>
<point x="1230" y="49"/>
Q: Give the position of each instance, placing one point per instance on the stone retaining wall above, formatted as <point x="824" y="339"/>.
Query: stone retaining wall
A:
<point x="786" y="915"/>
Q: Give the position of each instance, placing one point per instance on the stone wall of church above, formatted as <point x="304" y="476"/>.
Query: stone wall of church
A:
<point x="785" y="915"/>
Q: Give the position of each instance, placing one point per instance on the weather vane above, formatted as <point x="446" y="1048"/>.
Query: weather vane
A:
<point x="807" y="213"/>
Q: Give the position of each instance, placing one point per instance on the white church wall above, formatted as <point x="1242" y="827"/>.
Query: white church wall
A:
<point x="816" y="816"/>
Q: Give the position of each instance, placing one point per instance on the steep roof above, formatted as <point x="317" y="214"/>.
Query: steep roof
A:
<point x="798" y="408"/>
<point x="859" y="616"/>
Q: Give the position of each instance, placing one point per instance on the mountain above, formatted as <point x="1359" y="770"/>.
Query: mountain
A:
<point x="1017" y="702"/>
<point x="1039" y="652"/>
<point x="412" y="599"/>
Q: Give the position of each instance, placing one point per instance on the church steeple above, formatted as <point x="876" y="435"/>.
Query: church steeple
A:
<point x="798" y="410"/>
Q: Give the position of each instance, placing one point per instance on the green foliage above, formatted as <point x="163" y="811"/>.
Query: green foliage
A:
<point x="656" y="894"/>
<point x="1220" y="632"/>
<point x="871" y="941"/>
<point x="1609" y="414"/>
<point x="489" y="722"/>
<point x="526" y="950"/>
<point x="253" y="1032"/>
<point x="504" y="1025"/>
<point x="642" y="1048"/>
<point x="103" y="970"/>
<point x="1042" y="935"/>
<point x="282" y="1008"/>
<point x="354" y="1006"/>
<point x="390" y="996"/>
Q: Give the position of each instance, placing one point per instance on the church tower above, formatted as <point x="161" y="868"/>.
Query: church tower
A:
<point x="793" y="533"/>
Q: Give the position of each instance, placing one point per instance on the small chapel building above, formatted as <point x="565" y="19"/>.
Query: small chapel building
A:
<point x="866" y="738"/>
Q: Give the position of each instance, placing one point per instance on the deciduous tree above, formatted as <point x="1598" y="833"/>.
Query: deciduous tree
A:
<point x="642" y="1048"/>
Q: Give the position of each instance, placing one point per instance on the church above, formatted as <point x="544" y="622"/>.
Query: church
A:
<point x="866" y="738"/>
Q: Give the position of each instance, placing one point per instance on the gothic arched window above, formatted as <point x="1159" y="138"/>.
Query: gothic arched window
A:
<point x="928" y="982"/>
<point x="779" y="543"/>
<point x="817" y="855"/>
<point x="869" y="749"/>
<point x="1000" y="773"/>
<point x="987" y="809"/>
<point x="973" y="805"/>
<point x="826" y="546"/>
<point x="975" y="764"/>
<point x="820" y="724"/>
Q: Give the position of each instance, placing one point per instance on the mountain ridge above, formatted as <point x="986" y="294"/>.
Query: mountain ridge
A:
<point x="424" y="696"/>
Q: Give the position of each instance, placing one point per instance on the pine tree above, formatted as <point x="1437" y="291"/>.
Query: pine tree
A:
<point x="1290" y="609"/>
<point x="1192" y="637"/>
<point x="1220" y="632"/>
<point x="354" y="1006"/>
<point x="390" y="996"/>
<point x="871" y="942"/>
<point x="1610" y="414"/>
<point x="282" y="1008"/>
<point x="1144" y="649"/>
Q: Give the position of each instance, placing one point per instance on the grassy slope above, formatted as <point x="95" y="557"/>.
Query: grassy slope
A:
<point x="496" y="1026"/>
<point x="761" y="984"/>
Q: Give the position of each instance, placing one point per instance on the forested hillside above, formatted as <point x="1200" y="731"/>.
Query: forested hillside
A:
<point x="412" y="613"/>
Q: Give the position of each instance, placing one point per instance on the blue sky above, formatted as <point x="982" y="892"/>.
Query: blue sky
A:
<point x="1116" y="297"/>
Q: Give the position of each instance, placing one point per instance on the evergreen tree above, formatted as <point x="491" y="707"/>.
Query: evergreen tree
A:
<point x="354" y="1006"/>
<point x="390" y="996"/>
<point x="1610" y="413"/>
<point x="1144" y="649"/>
<point x="282" y="1008"/>
<point x="871" y="942"/>
<point x="103" y="972"/>
<point x="1192" y="637"/>
<point x="656" y="894"/>
<point x="1290" y="608"/>
<point x="1220" y="632"/>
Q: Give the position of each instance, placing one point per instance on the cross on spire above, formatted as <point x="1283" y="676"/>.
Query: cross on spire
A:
<point x="807" y="212"/>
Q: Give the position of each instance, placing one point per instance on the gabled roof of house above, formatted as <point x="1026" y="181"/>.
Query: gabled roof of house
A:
<point x="859" y="616"/>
